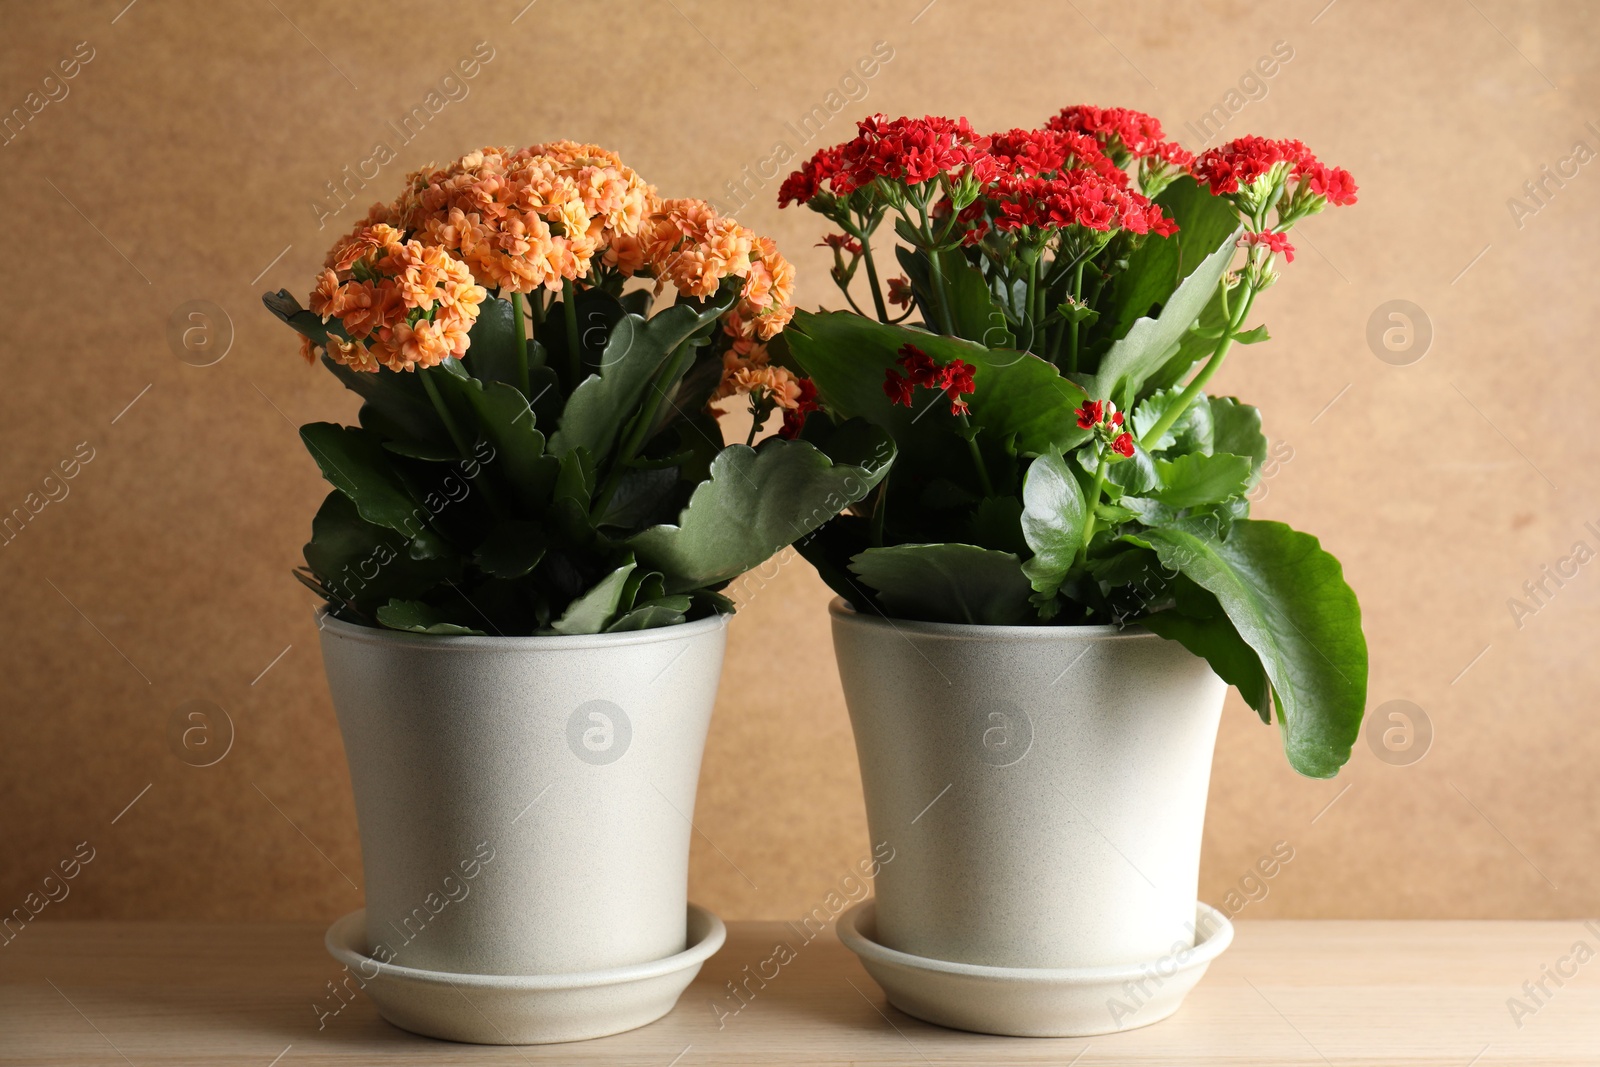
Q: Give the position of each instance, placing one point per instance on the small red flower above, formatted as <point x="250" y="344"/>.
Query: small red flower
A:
<point x="1276" y="242"/>
<point x="1102" y="417"/>
<point x="840" y="242"/>
<point x="953" y="379"/>
<point x="900" y="291"/>
<point x="794" y="420"/>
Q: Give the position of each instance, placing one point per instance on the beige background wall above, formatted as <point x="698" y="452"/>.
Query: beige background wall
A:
<point x="185" y="162"/>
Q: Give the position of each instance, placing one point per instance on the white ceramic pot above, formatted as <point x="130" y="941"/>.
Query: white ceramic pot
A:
<point x="524" y="802"/>
<point x="1044" y="788"/>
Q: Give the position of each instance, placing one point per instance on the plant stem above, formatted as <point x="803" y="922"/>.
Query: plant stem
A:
<point x="880" y="512"/>
<point x="444" y="413"/>
<point x="1090" y="519"/>
<point x="941" y="299"/>
<point x="569" y="308"/>
<point x="1190" y="391"/>
<point x="522" y="342"/>
<point x="977" y="457"/>
<point x="640" y="428"/>
<point x="872" y="278"/>
<point x="490" y="494"/>
<point x="1072" y="329"/>
<point x="1033" y="286"/>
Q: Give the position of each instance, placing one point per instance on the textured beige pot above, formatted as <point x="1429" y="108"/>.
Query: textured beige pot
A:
<point x="524" y="802"/>
<point x="1044" y="788"/>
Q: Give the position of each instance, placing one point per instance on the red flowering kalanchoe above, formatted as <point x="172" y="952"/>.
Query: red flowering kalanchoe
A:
<point x="1105" y="420"/>
<point x="953" y="379"/>
<point x="807" y="182"/>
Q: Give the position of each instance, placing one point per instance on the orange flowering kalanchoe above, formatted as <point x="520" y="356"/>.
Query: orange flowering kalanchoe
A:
<point x="406" y="284"/>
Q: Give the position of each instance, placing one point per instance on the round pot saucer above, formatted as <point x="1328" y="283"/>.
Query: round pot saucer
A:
<point x="1036" y="1001"/>
<point x="496" y="1009"/>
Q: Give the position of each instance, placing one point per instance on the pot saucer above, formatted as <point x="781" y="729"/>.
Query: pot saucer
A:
<point x="496" y="1009"/>
<point x="1035" y="1001"/>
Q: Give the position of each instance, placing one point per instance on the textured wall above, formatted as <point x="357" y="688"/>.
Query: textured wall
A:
<point x="186" y="158"/>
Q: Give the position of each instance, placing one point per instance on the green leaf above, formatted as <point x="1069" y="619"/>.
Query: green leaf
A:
<point x="1016" y="393"/>
<point x="492" y="352"/>
<point x="1288" y="600"/>
<point x="601" y="406"/>
<point x="1159" y="264"/>
<point x="948" y="583"/>
<point x="664" y="611"/>
<point x="1216" y="641"/>
<point x="364" y="564"/>
<point x="505" y="419"/>
<point x="416" y="617"/>
<point x="1196" y="479"/>
<point x="512" y="549"/>
<point x="1251" y="337"/>
<point x="589" y="613"/>
<point x="1150" y="342"/>
<point x="973" y="312"/>
<point x="756" y="502"/>
<point x="1236" y="429"/>
<point x="997" y="523"/>
<point x="1052" y="522"/>
<point x="355" y="462"/>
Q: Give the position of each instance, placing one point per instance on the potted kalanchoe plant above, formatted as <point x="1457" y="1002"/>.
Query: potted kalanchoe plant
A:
<point x="521" y="560"/>
<point x="1066" y="495"/>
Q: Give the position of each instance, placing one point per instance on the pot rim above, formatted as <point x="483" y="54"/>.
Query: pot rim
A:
<point x="840" y="609"/>
<point x="373" y="635"/>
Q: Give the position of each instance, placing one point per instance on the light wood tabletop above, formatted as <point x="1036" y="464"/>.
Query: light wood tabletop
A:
<point x="1286" y="993"/>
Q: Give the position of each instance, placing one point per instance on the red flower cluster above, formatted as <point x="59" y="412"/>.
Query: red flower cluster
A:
<point x="1122" y="132"/>
<point x="794" y="419"/>
<point x="1105" y="420"/>
<point x="906" y="150"/>
<point x="1076" y="198"/>
<point x="912" y="151"/>
<point x="1243" y="161"/>
<point x="954" y="378"/>
<point x="1029" y="153"/>
<point x="1276" y="242"/>
<point x="806" y="182"/>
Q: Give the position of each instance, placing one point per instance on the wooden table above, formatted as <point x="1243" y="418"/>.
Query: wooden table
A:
<point x="1286" y="993"/>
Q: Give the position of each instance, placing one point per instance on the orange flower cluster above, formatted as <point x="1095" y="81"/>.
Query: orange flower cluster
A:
<point x="407" y="282"/>
<point x="527" y="219"/>
<point x="745" y="370"/>
<point x="403" y="304"/>
<point x="690" y="245"/>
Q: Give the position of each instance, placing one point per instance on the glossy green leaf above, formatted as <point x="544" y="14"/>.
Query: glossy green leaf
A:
<point x="1196" y="479"/>
<point x="1236" y="429"/>
<point x="1288" y="600"/>
<point x="756" y="502"/>
<point x="1149" y="343"/>
<point x="1052" y="522"/>
<point x="590" y="613"/>
<point x="357" y="465"/>
<point x="637" y="350"/>
<point x="512" y="549"/>
<point x="948" y="583"/>
<point x="416" y="617"/>
<point x="1017" y="394"/>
